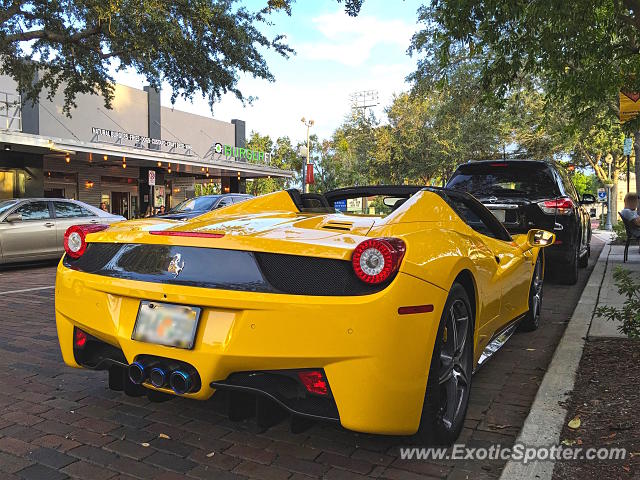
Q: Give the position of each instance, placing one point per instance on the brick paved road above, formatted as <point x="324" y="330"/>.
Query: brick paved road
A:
<point x="56" y="422"/>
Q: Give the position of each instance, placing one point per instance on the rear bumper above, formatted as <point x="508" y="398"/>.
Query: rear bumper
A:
<point x="376" y="361"/>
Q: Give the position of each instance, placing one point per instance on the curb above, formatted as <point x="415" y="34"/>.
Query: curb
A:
<point x="543" y="425"/>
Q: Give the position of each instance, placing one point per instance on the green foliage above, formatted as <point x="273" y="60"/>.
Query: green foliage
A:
<point x="585" y="50"/>
<point x="283" y="156"/>
<point x="207" y="189"/>
<point x="629" y="313"/>
<point x="619" y="233"/>
<point x="196" y="46"/>
<point x="585" y="183"/>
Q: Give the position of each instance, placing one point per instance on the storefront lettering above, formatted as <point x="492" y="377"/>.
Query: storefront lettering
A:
<point x="240" y="153"/>
<point x="139" y="139"/>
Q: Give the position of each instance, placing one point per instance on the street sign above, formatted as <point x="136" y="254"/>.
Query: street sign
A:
<point x="602" y="194"/>
<point x="629" y="105"/>
<point x="628" y="142"/>
<point x="152" y="178"/>
<point x="340" y="205"/>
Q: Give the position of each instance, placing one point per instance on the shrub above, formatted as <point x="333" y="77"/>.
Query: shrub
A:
<point x="629" y="313"/>
<point x="619" y="233"/>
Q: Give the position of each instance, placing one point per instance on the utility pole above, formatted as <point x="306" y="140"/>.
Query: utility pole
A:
<point x="305" y="186"/>
<point x="608" y="225"/>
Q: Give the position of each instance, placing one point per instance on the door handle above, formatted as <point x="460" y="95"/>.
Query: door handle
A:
<point x="49" y="224"/>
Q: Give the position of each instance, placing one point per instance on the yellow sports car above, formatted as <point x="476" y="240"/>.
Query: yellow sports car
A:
<point x="373" y="321"/>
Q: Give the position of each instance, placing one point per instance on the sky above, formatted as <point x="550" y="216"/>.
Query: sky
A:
<point x="336" y="55"/>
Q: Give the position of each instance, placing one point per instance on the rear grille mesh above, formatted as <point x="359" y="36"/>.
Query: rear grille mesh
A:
<point x="223" y="269"/>
<point x="301" y="275"/>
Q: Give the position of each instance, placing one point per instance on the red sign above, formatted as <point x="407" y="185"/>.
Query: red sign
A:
<point x="309" y="180"/>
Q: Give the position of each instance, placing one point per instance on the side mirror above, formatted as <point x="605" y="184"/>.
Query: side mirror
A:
<point x="14" y="217"/>
<point x="587" y="199"/>
<point x="540" y="238"/>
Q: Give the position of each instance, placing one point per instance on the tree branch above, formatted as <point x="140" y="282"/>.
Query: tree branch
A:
<point x="14" y="9"/>
<point x="53" y="36"/>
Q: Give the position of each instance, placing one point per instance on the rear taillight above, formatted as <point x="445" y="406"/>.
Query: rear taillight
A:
<point x="79" y="338"/>
<point x="314" y="382"/>
<point x="75" y="242"/>
<point x="375" y="260"/>
<point x="557" y="206"/>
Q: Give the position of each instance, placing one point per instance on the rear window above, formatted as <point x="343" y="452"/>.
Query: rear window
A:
<point x="504" y="179"/>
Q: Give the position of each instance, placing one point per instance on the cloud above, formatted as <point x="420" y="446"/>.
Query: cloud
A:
<point x="352" y="41"/>
<point x="307" y="85"/>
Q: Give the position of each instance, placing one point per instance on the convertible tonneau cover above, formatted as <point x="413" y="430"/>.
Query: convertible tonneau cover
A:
<point x="370" y="190"/>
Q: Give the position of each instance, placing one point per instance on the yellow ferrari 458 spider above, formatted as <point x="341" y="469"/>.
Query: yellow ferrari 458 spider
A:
<point x="287" y="305"/>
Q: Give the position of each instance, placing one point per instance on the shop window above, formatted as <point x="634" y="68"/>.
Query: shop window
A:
<point x="7" y="180"/>
<point x="12" y="184"/>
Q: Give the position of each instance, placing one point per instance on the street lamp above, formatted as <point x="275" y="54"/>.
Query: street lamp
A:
<point x="309" y="124"/>
<point x="608" y="226"/>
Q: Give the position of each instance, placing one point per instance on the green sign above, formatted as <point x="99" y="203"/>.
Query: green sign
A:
<point x="240" y="153"/>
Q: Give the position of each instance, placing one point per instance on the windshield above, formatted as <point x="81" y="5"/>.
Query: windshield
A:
<point x="197" y="204"/>
<point x="6" y="205"/>
<point x="374" y="205"/>
<point x="503" y="179"/>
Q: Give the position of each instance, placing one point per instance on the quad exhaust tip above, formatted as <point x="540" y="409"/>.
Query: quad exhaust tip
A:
<point x="180" y="382"/>
<point x="137" y="373"/>
<point x="158" y="377"/>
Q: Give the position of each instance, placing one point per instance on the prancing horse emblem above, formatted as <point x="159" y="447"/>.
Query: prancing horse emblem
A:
<point x="176" y="265"/>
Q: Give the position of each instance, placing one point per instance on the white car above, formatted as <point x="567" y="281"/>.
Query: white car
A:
<point x="32" y="229"/>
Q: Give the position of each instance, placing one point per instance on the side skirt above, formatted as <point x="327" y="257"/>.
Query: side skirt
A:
<point x="498" y="341"/>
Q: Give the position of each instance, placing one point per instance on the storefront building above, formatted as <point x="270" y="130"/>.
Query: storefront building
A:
<point x="133" y="158"/>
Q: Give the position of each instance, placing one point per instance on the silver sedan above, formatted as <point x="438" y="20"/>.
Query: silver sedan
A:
<point x="32" y="229"/>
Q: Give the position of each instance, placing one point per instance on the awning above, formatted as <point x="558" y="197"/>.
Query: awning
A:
<point x="41" y="144"/>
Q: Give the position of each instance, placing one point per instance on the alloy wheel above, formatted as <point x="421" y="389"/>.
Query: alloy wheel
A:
<point x="536" y="286"/>
<point x="454" y="374"/>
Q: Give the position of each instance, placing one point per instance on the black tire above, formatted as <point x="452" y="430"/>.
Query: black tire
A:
<point x="583" y="262"/>
<point x="447" y="395"/>
<point x="569" y="273"/>
<point x="531" y="321"/>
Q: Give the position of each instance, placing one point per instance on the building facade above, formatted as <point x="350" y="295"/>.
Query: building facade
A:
<point x="135" y="157"/>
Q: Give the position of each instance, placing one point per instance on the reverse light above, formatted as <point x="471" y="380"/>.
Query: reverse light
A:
<point x="75" y="243"/>
<point x="375" y="260"/>
<point x="79" y="338"/>
<point x="314" y="382"/>
<point x="560" y="206"/>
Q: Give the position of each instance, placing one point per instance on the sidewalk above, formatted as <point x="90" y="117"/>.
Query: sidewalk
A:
<point x="613" y="256"/>
<point x="546" y="419"/>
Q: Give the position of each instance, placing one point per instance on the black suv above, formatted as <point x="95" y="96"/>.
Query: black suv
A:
<point x="525" y="194"/>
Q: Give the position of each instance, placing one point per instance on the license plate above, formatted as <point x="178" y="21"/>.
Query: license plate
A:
<point x="166" y="324"/>
<point x="499" y="214"/>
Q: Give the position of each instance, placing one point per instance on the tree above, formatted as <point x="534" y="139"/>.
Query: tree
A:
<point x="192" y="45"/>
<point x="586" y="51"/>
<point x="283" y="156"/>
<point x="585" y="183"/>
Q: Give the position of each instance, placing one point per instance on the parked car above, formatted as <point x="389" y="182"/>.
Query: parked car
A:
<point x="525" y="194"/>
<point x="196" y="206"/>
<point x="32" y="229"/>
<point x="373" y="322"/>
